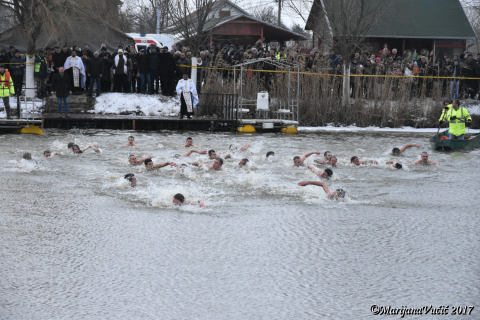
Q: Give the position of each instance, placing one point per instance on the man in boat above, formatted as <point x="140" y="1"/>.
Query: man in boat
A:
<point x="132" y="179"/>
<point x="298" y="161"/>
<point x="327" y="173"/>
<point x="424" y="160"/>
<point x="332" y="195"/>
<point x="187" y="92"/>
<point x="447" y="105"/>
<point x="150" y="166"/>
<point x="357" y="161"/>
<point x="457" y="117"/>
<point x="397" y="151"/>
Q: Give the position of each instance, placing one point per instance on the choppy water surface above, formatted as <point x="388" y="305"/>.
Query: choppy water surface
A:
<point x="76" y="242"/>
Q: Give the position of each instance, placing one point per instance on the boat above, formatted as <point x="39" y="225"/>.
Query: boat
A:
<point x="440" y="142"/>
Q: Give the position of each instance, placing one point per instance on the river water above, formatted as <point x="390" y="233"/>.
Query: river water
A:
<point x="77" y="242"/>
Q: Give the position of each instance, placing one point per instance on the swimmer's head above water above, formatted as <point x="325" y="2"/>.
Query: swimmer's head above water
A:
<point x="270" y="153"/>
<point x="340" y="193"/>
<point x="27" y="156"/>
<point x="178" y="199"/>
<point x="132" y="179"/>
<point x="70" y="145"/>
<point x="329" y="172"/>
<point x="243" y="162"/>
<point x="396" y="151"/>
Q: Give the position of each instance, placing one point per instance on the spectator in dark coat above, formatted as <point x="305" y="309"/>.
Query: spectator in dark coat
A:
<point x="183" y="61"/>
<point x="11" y="53"/>
<point x="106" y="74"/>
<point x="154" y="68"/>
<point x="58" y="59"/>
<point x="17" y="71"/>
<point x="61" y="85"/>
<point x="4" y="59"/>
<point x="95" y="72"/>
<point x="143" y="61"/>
<point x="167" y="72"/>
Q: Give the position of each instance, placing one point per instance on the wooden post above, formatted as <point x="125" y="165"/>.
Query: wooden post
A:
<point x="261" y="36"/>
<point x="42" y="123"/>
<point x="212" y="126"/>
<point x="133" y="125"/>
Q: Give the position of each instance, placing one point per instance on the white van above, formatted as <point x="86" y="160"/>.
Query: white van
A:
<point x="143" y="40"/>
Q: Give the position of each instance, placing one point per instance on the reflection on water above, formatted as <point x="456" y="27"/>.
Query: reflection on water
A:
<point x="79" y="243"/>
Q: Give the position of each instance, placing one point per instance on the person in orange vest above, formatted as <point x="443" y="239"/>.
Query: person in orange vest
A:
<point x="6" y="88"/>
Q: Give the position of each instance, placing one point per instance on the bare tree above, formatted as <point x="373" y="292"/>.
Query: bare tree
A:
<point x="192" y="18"/>
<point x="343" y="24"/>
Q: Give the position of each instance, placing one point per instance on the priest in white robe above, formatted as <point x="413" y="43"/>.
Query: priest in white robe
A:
<point x="76" y="70"/>
<point x="187" y="92"/>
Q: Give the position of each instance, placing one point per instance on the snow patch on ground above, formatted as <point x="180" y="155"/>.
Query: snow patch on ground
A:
<point x="140" y="104"/>
<point x="35" y="107"/>
<point x="375" y="129"/>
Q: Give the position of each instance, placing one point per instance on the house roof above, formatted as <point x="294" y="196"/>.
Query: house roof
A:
<point x="433" y="19"/>
<point x="278" y="33"/>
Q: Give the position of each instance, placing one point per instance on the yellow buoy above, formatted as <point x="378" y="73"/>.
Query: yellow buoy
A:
<point x="240" y="129"/>
<point x="31" y="129"/>
<point x="248" y="129"/>
<point x="291" y="130"/>
<point x="283" y="130"/>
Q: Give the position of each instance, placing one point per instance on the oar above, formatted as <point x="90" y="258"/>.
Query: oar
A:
<point x="443" y="119"/>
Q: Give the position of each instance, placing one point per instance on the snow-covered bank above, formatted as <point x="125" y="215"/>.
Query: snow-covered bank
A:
<point x="140" y="104"/>
<point x="374" y="129"/>
<point x="31" y="108"/>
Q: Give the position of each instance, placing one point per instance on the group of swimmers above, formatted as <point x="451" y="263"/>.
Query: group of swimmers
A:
<point x="178" y="199"/>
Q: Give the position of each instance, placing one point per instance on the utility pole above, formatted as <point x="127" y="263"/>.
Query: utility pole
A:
<point x="279" y="11"/>
<point x="158" y="18"/>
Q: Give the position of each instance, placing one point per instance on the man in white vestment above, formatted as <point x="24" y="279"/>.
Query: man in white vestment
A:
<point x="187" y="92"/>
<point x="76" y="71"/>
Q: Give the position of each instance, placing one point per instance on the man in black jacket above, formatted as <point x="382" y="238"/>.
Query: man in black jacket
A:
<point x="167" y="72"/>
<point x="95" y="71"/>
<point x="143" y="68"/>
<point x="61" y="85"/>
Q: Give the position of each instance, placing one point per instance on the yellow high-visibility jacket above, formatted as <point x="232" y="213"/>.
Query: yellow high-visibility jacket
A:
<point x="457" y="126"/>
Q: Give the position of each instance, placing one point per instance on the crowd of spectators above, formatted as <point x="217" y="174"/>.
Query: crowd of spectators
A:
<point x="155" y="70"/>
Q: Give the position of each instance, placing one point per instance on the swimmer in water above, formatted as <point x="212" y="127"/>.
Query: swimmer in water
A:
<point x="298" y="161"/>
<point x="395" y="164"/>
<point x="332" y="195"/>
<point x="132" y="159"/>
<point x="234" y="147"/>
<point x="28" y="157"/>
<point x="132" y="179"/>
<point x="270" y="153"/>
<point x="188" y="143"/>
<point x="326" y="158"/>
<point x="131" y="142"/>
<point x="243" y="162"/>
<point x="217" y="164"/>
<point x="357" y="161"/>
<point x="424" y="160"/>
<point x="213" y="155"/>
<point x="189" y="152"/>
<point x="323" y="174"/>
<point x="181" y="170"/>
<point x="396" y="151"/>
<point x="179" y="200"/>
<point x="150" y="166"/>
<point x="76" y="149"/>
<point x="49" y="154"/>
